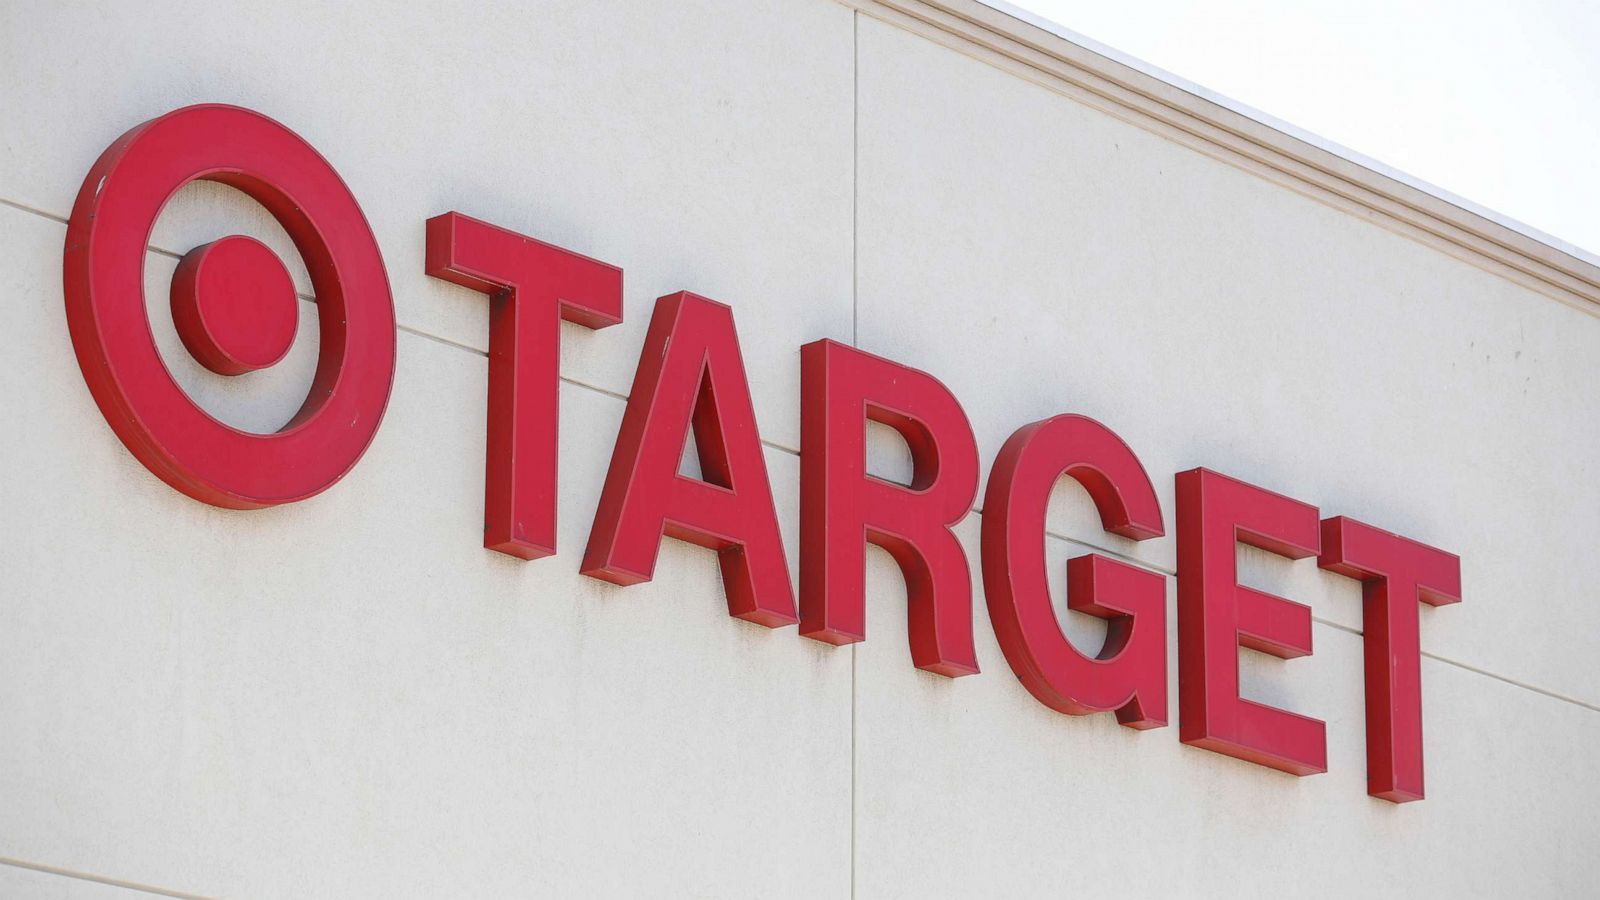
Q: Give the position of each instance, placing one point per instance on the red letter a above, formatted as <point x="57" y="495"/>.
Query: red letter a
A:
<point x="691" y="371"/>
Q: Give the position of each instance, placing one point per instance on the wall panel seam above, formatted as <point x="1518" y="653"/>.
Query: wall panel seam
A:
<point x="855" y="341"/>
<point x="98" y="879"/>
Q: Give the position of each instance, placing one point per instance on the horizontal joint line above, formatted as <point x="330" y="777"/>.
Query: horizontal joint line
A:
<point x="98" y="879"/>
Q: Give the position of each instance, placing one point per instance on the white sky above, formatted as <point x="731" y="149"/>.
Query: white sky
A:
<point x="1495" y="100"/>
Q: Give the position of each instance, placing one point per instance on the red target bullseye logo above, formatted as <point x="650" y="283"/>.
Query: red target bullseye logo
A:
<point x="233" y="304"/>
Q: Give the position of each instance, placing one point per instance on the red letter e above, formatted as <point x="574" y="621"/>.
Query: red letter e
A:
<point x="1216" y="615"/>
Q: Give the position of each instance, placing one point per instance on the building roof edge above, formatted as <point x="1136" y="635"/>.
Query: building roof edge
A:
<point x="1013" y="39"/>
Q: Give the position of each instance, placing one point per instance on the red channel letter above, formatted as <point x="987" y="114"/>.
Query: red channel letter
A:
<point x="1216" y="614"/>
<point x="532" y="286"/>
<point x="1395" y="572"/>
<point x="1130" y="673"/>
<point x="842" y="507"/>
<point x="691" y="371"/>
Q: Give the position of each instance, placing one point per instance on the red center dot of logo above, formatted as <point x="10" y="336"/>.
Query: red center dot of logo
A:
<point x="234" y="305"/>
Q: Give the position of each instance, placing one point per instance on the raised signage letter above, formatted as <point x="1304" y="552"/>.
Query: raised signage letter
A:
<point x="691" y="371"/>
<point x="1216" y="614"/>
<point x="1129" y="675"/>
<point x="1396" y="573"/>
<point x="532" y="286"/>
<point x="842" y="507"/>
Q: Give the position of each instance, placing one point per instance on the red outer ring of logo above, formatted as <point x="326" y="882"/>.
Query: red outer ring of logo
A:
<point x="104" y="265"/>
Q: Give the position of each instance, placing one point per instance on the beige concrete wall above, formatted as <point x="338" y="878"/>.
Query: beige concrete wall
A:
<point x="349" y="697"/>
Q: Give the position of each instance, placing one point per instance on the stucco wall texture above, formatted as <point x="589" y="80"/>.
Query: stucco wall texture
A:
<point x="349" y="697"/>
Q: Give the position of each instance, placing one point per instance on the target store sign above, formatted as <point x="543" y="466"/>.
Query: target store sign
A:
<point x="234" y="307"/>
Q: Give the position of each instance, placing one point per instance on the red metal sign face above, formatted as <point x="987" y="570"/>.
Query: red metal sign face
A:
<point x="1395" y="573"/>
<point x="532" y="287"/>
<point x="234" y="306"/>
<point x="1129" y="674"/>
<point x="691" y="375"/>
<point x="230" y="306"/>
<point x="1217" y="615"/>
<point x="842" y="508"/>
